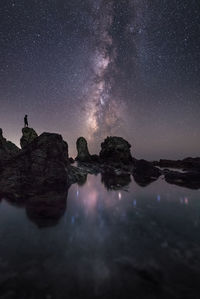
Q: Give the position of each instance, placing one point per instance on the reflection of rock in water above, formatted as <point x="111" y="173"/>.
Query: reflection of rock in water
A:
<point x="115" y="181"/>
<point x="145" y="173"/>
<point x="82" y="180"/>
<point x="189" y="179"/>
<point x="46" y="209"/>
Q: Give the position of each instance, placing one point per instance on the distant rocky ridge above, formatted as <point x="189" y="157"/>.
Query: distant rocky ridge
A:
<point x="40" y="173"/>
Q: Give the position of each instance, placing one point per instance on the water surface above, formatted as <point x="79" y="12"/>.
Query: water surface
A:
<point x="138" y="242"/>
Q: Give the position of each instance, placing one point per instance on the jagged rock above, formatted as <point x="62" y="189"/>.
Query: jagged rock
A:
<point x="145" y="172"/>
<point x="115" y="149"/>
<point x="82" y="149"/>
<point x="184" y="179"/>
<point x="7" y="148"/>
<point x="28" y="135"/>
<point x="40" y="167"/>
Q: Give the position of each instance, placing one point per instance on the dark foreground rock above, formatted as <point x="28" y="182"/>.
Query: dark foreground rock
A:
<point x="187" y="179"/>
<point x="77" y="175"/>
<point x="7" y="148"/>
<point x="28" y="135"/>
<point x="115" y="150"/>
<point x="41" y="166"/>
<point x="37" y="178"/>
<point x="145" y="172"/>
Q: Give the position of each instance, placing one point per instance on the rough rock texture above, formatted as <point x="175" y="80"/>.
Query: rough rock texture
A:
<point x="144" y="172"/>
<point x="77" y="175"/>
<point x="187" y="163"/>
<point x="82" y="149"/>
<point x="40" y="167"/>
<point x="184" y="179"/>
<point x="28" y="135"/>
<point x="115" y="149"/>
<point x="7" y="148"/>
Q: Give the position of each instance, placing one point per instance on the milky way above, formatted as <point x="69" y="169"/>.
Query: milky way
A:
<point x="104" y="111"/>
<point x="88" y="68"/>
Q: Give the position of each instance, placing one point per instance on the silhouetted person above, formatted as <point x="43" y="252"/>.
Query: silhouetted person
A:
<point x="26" y="120"/>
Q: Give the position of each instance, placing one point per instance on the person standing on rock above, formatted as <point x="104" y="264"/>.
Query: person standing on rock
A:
<point x="26" y="120"/>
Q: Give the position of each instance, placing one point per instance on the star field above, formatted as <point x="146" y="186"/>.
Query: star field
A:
<point x="95" y="68"/>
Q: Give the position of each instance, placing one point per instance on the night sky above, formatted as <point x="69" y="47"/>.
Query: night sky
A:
<point x="96" y="68"/>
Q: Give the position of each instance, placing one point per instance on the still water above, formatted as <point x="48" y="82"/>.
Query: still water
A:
<point x="138" y="242"/>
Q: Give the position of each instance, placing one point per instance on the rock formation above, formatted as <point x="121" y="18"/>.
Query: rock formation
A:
<point x="28" y="135"/>
<point x="38" y="176"/>
<point x="115" y="149"/>
<point x="82" y="149"/>
<point x="7" y="148"/>
<point x="40" y="167"/>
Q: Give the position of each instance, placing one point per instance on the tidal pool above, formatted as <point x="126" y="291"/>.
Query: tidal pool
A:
<point x="134" y="242"/>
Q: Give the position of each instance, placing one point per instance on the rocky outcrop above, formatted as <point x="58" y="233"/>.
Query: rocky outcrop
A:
<point x="145" y="172"/>
<point x="82" y="149"/>
<point x="115" y="150"/>
<point x="40" y="167"/>
<point x="77" y="175"/>
<point x="28" y="135"/>
<point x="187" y="163"/>
<point x="7" y="148"/>
<point x="184" y="179"/>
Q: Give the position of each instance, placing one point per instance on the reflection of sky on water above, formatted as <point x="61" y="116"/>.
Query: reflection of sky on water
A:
<point x="104" y="235"/>
<point x="92" y="199"/>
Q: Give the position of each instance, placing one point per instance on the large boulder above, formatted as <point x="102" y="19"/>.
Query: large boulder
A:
<point x="7" y="148"/>
<point x="28" y="135"/>
<point x="40" y="167"/>
<point x="82" y="149"/>
<point x="115" y="149"/>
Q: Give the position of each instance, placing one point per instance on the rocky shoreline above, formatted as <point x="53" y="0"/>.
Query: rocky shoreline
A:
<point x="40" y="173"/>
